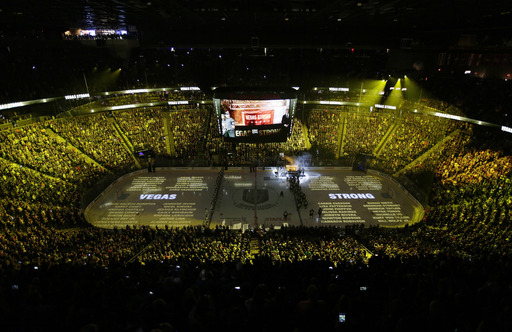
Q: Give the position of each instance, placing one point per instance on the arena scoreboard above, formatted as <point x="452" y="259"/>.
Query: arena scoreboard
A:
<point x="255" y="114"/>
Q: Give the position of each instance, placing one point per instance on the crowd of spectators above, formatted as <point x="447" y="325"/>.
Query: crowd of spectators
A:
<point x="215" y="147"/>
<point x="474" y="167"/>
<point x="413" y="136"/>
<point x="270" y="154"/>
<point x="95" y="136"/>
<point x="447" y="272"/>
<point x="470" y="190"/>
<point x="471" y="200"/>
<point x="324" y="132"/>
<point x="317" y="244"/>
<point x="188" y="126"/>
<point x="347" y="131"/>
<point x="34" y="146"/>
<point x="25" y="184"/>
<point x="194" y="279"/>
<point x="365" y="130"/>
<point x="144" y="128"/>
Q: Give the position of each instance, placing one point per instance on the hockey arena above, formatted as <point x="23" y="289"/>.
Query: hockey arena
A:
<point x="256" y="166"/>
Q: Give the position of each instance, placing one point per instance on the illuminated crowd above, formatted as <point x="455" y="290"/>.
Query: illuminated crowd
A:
<point x="46" y="166"/>
<point x="365" y="131"/>
<point x="324" y="132"/>
<point x="145" y="129"/>
<point x="193" y="278"/>
<point x="413" y="136"/>
<point x="36" y="147"/>
<point x="96" y="137"/>
<point x="449" y="272"/>
<point x="188" y="128"/>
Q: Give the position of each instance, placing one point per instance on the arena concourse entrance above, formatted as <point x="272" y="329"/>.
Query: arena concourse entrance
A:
<point x="181" y="196"/>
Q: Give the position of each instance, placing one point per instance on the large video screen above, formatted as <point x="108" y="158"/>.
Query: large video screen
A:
<point x="255" y="120"/>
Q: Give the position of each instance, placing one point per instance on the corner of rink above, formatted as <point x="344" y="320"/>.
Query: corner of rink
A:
<point x="244" y="198"/>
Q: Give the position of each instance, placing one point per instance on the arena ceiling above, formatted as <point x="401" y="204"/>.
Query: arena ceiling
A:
<point x="329" y="21"/>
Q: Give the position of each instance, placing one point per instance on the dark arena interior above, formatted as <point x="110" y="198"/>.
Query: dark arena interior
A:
<point x="330" y="165"/>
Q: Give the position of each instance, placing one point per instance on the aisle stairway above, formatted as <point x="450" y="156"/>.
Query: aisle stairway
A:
<point x="62" y="140"/>
<point x="126" y="141"/>
<point x="168" y="133"/>
<point x="30" y="169"/>
<point x="342" y="132"/>
<point x="305" y="134"/>
<point x="386" y="138"/>
<point x="428" y="153"/>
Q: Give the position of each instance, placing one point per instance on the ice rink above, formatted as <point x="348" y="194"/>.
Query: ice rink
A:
<point x="179" y="197"/>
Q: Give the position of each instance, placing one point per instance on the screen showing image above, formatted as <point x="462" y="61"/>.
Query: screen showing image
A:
<point x="255" y="120"/>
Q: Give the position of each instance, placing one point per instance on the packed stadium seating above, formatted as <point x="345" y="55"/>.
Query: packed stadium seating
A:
<point x="443" y="273"/>
<point x="449" y="272"/>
